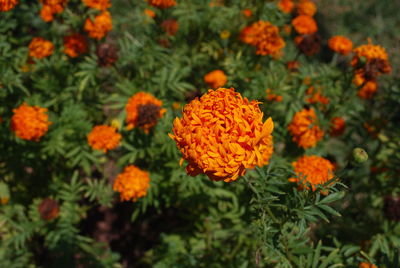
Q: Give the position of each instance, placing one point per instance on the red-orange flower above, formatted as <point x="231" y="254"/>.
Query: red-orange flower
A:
<point x="306" y="7"/>
<point x="149" y="13"/>
<point x="367" y="265"/>
<point x="40" y="48"/>
<point x="286" y="6"/>
<point x="104" y="138"/>
<point x="48" y="209"/>
<point x="222" y="134"/>
<point x="132" y="183"/>
<point x="162" y="3"/>
<point x="316" y="96"/>
<point x="6" y="5"/>
<point x="312" y="169"/>
<point x="247" y="12"/>
<point x="143" y="110"/>
<point x="30" y="122"/>
<point x="304" y="129"/>
<point x="293" y="65"/>
<point x="75" y="45"/>
<point x="304" y="24"/>
<point x="272" y="96"/>
<point x="368" y="90"/>
<point x="101" y="25"/>
<point x="337" y="126"/>
<point x="340" y="44"/>
<point x="215" y="79"/>
<point x="97" y="4"/>
<point x="170" y="26"/>
<point x="51" y="7"/>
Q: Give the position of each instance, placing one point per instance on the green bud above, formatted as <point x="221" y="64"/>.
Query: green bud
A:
<point x="360" y="155"/>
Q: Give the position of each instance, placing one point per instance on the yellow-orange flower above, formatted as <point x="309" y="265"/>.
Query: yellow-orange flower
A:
<point x="149" y="13"/>
<point x="75" y="45"/>
<point x="306" y="7"/>
<point x="312" y="169"/>
<point x="104" y="138"/>
<point x="97" y="4"/>
<point x="340" y="44"/>
<point x="368" y="90"/>
<point x="265" y="37"/>
<point x="101" y="25"/>
<point x="304" y="24"/>
<point x="286" y="6"/>
<point x="30" y="122"/>
<point x="367" y="265"/>
<point x="215" y="79"/>
<point x="6" y="5"/>
<point x="222" y="134"/>
<point x="132" y="183"/>
<point x="375" y="56"/>
<point x="304" y="129"/>
<point x="337" y="126"/>
<point x="170" y="26"/>
<point x="162" y="3"/>
<point x="40" y="48"/>
<point x="143" y="110"/>
<point x="51" y="7"/>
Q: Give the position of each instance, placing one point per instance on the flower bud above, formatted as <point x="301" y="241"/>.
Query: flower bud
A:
<point x="359" y="155"/>
<point x="48" y="209"/>
<point x="4" y="193"/>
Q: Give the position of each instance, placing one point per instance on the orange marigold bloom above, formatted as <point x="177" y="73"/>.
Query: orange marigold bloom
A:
<point x="51" y="7"/>
<point x="170" y="26"/>
<point x="293" y="65"/>
<point x="97" y="4"/>
<point x="316" y="96"/>
<point x="286" y="6"/>
<point x="30" y="122"/>
<point x="304" y="129"/>
<point x="313" y="169"/>
<point x="337" y="126"/>
<point x="75" y="45"/>
<point x="273" y="97"/>
<point x="215" y="79"/>
<point x="6" y="5"/>
<point x="149" y="13"/>
<point x="368" y="90"/>
<point x="370" y="52"/>
<point x="222" y="134"/>
<point x="101" y="25"/>
<point x="40" y="48"/>
<point x="306" y="7"/>
<point x="304" y="24"/>
<point x="162" y="3"/>
<point x="132" y="183"/>
<point x="367" y="265"/>
<point x="340" y="44"/>
<point x="143" y="110"/>
<point x="247" y="13"/>
<point x="104" y="138"/>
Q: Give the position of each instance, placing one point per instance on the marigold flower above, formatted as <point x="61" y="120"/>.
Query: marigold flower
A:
<point x="30" y="122"/>
<point x="222" y="134"/>
<point x="215" y="79"/>
<point x="97" y="4"/>
<point x="337" y="126"/>
<point x="316" y="96"/>
<point x="132" y="183"/>
<point x="51" y="7"/>
<point x="107" y="54"/>
<point x="40" y="48"/>
<point x="149" y="13"/>
<point x="143" y="110"/>
<point x="75" y="45"/>
<point x="293" y="65"/>
<point x="368" y="90"/>
<point x="304" y="24"/>
<point x="48" y="209"/>
<point x="225" y="34"/>
<point x="104" y="138"/>
<point x="304" y="129"/>
<point x="367" y="265"/>
<point x="309" y="44"/>
<point x="170" y="26"/>
<point x="306" y="7"/>
<point x="101" y="25"/>
<point x="162" y="3"/>
<point x="247" y="13"/>
<point x="6" y="5"/>
<point x="340" y="44"/>
<point x="286" y="6"/>
<point x="369" y="52"/>
<point x="273" y="97"/>
<point x="312" y="169"/>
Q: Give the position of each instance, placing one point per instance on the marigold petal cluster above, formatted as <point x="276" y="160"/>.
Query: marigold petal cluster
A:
<point x="316" y="96"/>
<point x="40" y="48"/>
<point x="101" y="25"/>
<point x="304" y="129"/>
<point x="216" y="79"/>
<point x="50" y="8"/>
<point x="149" y="13"/>
<point x="162" y="3"/>
<point x="6" y="5"/>
<point x="367" y="265"/>
<point x="30" y="122"/>
<point x="370" y="52"/>
<point x="304" y="24"/>
<point x="306" y="7"/>
<point x="286" y="6"/>
<point x="312" y="169"/>
<point x="368" y="89"/>
<point x="170" y="26"/>
<point x="247" y="12"/>
<point x="132" y="183"/>
<point x="104" y="138"/>
<point x="222" y="134"/>
<point x="340" y="44"/>
<point x="75" y="45"/>
<point x="338" y="126"/>
<point x="143" y="110"/>
<point x="97" y="4"/>
<point x="272" y="96"/>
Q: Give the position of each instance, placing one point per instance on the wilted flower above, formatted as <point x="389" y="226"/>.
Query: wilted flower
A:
<point x="215" y="79"/>
<point x="51" y="7"/>
<point x="6" y="5"/>
<point x="143" y="111"/>
<point x="132" y="183"/>
<point x="104" y="138"/>
<point x="286" y="6"/>
<point x="309" y="44"/>
<point x="170" y="26"/>
<point x="75" y="45"/>
<point x="222" y="134"/>
<point x="101" y="25"/>
<point x="304" y="129"/>
<point x="107" y="54"/>
<point x="313" y="169"/>
<point x="367" y="265"/>
<point x="337" y="126"/>
<point x="97" y="4"/>
<point x="48" y="209"/>
<point x="30" y="122"/>
<point x="40" y="48"/>
<point x="162" y="3"/>
<point x="340" y="44"/>
<point x="304" y="24"/>
<point x="392" y="208"/>
<point x="306" y="7"/>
